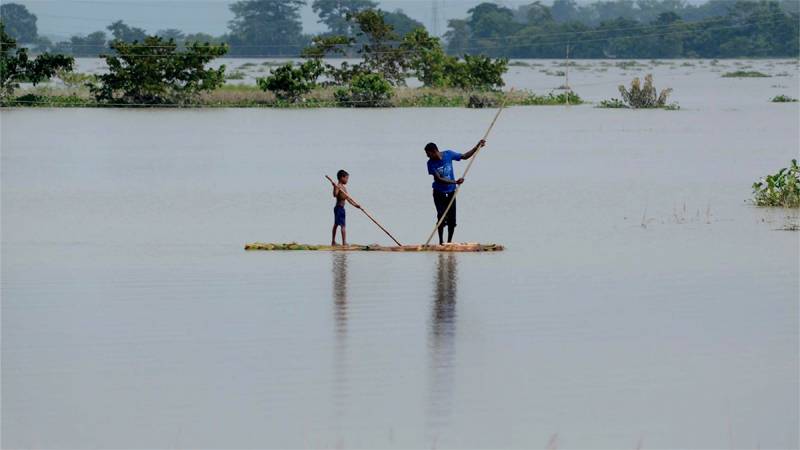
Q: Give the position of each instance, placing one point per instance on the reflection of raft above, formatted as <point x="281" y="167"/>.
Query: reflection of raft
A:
<point x="463" y="247"/>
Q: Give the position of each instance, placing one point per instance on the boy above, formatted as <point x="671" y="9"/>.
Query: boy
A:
<point x="340" y="193"/>
<point x="440" y="165"/>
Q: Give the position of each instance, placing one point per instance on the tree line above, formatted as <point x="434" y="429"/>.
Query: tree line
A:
<point x="604" y="29"/>
<point x="155" y="71"/>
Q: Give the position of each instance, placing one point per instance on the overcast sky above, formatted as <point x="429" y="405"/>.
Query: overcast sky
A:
<point x="60" y="19"/>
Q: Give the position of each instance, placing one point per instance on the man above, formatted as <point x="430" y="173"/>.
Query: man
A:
<point x="440" y="165"/>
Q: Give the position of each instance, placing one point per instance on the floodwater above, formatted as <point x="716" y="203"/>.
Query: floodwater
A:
<point x="641" y="302"/>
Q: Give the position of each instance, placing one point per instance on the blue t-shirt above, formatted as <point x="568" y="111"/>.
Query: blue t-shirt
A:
<point x="445" y="170"/>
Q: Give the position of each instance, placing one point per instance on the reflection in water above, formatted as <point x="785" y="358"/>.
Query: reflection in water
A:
<point x="441" y="342"/>
<point x="340" y="385"/>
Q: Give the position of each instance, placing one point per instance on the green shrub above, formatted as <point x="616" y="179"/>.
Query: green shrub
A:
<point x="365" y="90"/>
<point x="744" y="74"/>
<point x="783" y="99"/>
<point x="780" y="189"/>
<point x="155" y="72"/>
<point x="58" y="101"/>
<point x="75" y="79"/>
<point x="477" y="73"/>
<point x="235" y="75"/>
<point x="290" y="83"/>
<point x="563" y="98"/>
<point x="614" y="103"/>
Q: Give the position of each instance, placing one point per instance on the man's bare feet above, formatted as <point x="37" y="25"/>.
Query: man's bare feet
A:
<point x="333" y="243"/>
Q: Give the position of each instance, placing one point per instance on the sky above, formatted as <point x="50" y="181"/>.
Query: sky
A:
<point x="59" y="19"/>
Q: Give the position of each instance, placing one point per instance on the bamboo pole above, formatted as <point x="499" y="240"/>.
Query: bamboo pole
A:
<point x="466" y="171"/>
<point x="365" y="212"/>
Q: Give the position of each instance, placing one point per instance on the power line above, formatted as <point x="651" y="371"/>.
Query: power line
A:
<point x="397" y="51"/>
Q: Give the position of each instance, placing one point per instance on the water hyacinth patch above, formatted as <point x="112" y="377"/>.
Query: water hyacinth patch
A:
<point x="745" y="74"/>
<point x="783" y="99"/>
<point x="780" y="189"/>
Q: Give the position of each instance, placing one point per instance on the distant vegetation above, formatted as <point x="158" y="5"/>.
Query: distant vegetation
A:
<point x="383" y="67"/>
<point x="16" y="66"/>
<point x="745" y="74"/>
<point x="246" y="96"/>
<point x="641" y="96"/>
<point x="783" y="99"/>
<point x="781" y="189"/>
<point x="603" y="29"/>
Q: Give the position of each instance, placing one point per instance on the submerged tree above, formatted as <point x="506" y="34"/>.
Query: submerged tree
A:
<point x="16" y="66"/>
<point x="154" y="72"/>
<point x="644" y="96"/>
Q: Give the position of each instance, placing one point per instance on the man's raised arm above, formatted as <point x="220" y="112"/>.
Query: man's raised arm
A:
<point x="469" y="154"/>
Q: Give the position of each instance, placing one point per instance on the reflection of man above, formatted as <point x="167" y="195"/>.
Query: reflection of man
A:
<point x="444" y="309"/>
<point x="441" y="342"/>
<point x="440" y="165"/>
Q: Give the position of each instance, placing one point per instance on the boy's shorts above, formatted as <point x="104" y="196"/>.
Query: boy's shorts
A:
<point x="338" y="215"/>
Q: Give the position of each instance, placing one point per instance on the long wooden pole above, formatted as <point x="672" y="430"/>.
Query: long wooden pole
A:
<point x="368" y="214"/>
<point x="466" y="171"/>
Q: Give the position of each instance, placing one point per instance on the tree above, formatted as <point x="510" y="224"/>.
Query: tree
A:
<point x="488" y="26"/>
<point x="202" y="38"/>
<point x="427" y="59"/>
<point x="172" y="33"/>
<point x="400" y="22"/>
<point x="335" y="14"/>
<point x="17" y="67"/>
<point x="457" y="36"/>
<point x="122" y="32"/>
<point x="379" y="54"/>
<point x="434" y="68"/>
<point x="489" y="20"/>
<point x="539" y="14"/>
<point x="564" y="10"/>
<point x="154" y="72"/>
<point x="669" y="42"/>
<point x="91" y="45"/>
<point x="20" y="23"/>
<point x="290" y="83"/>
<point x="478" y="73"/>
<point x="266" y="27"/>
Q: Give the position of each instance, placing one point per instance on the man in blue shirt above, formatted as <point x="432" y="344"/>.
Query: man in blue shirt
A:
<point x="440" y="165"/>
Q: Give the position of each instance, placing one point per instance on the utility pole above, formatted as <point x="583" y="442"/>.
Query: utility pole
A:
<point x="566" y="76"/>
<point x="435" y="18"/>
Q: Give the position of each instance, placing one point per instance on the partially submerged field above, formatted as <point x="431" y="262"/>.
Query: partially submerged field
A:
<point x="536" y="82"/>
<point x="249" y="96"/>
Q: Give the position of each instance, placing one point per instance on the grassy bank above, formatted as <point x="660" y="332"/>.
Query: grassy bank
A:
<point x="246" y="96"/>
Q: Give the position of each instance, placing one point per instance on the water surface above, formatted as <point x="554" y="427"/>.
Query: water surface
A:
<point x="641" y="297"/>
